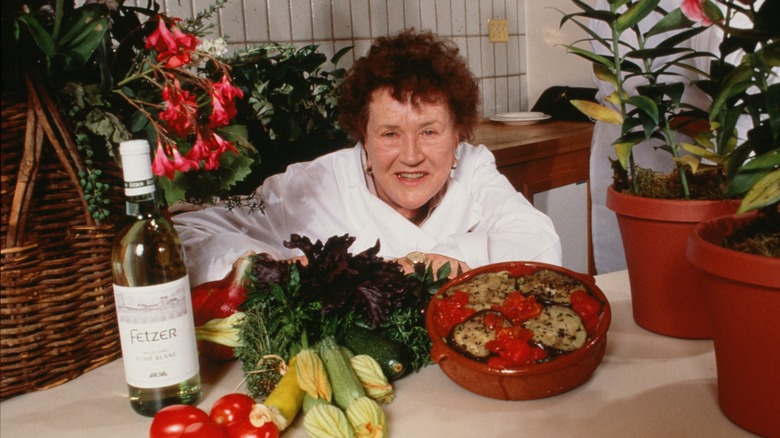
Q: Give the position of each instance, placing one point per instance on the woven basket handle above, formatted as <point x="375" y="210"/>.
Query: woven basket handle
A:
<point x="43" y="120"/>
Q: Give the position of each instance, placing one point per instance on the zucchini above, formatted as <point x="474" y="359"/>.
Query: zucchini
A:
<point x="393" y="356"/>
<point x="309" y="402"/>
<point x="345" y="383"/>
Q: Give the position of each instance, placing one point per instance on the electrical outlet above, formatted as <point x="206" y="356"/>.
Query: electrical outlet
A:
<point x="498" y="31"/>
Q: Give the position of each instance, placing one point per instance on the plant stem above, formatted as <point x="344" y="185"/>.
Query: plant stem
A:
<point x="617" y="60"/>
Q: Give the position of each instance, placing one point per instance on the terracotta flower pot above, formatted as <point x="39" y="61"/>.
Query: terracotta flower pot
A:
<point x="666" y="293"/>
<point x="743" y="294"/>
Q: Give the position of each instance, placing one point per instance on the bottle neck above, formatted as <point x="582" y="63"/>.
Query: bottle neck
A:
<point x="142" y="206"/>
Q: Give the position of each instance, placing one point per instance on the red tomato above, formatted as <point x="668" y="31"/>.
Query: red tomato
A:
<point x="451" y="311"/>
<point x="204" y="430"/>
<point x="512" y="348"/>
<point x="231" y="408"/>
<point x="171" y="421"/>
<point x="518" y="308"/>
<point x="245" y="429"/>
<point x="587" y="307"/>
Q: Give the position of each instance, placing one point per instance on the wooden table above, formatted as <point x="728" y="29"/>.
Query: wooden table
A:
<point x="648" y="385"/>
<point x="536" y="158"/>
<point x="539" y="157"/>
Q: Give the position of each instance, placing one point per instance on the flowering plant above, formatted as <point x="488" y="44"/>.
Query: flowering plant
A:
<point x="732" y="145"/>
<point x="119" y="72"/>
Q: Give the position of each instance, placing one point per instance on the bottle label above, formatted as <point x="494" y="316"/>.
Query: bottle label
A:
<point x="157" y="332"/>
<point x="136" y="167"/>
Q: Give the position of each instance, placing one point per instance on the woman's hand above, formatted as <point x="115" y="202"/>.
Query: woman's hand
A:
<point x="437" y="260"/>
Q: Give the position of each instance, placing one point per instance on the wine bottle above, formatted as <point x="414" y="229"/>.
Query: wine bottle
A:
<point x="152" y="294"/>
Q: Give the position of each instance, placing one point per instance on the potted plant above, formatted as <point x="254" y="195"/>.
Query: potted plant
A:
<point x="290" y="106"/>
<point x="739" y="255"/>
<point x="645" y="58"/>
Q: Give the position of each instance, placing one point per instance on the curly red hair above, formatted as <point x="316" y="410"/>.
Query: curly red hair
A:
<point x="412" y="65"/>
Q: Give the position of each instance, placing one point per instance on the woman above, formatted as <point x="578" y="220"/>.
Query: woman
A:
<point x="411" y="182"/>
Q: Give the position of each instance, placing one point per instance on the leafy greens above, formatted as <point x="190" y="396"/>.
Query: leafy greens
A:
<point x="291" y="306"/>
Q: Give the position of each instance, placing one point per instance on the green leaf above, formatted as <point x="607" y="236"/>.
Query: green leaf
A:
<point x="712" y="11"/>
<point x="702" y="152"/>
<point x="688" y="160"/>
<point x="635" y="13"/>
<point x="773" y="108"/>
<point x="765" y="192"/>
<point x="598" y="112"/>
<point x="750" y="173"/>
<point x="674" y="90"/>
<point x="646" y="105"/>
<point x="672" y="21"/>
<point x="767" y="161"/>
<point x="657" y="52"/>
<point x="42" y="38"/>
<point x="174" y="192"/>
<point x="80" y="41"/>
<point x="737" y="81"/>
<point x="337" y="57"/>
<point x="623" y="152"/>
<point x="592" y="56"/>
<point x="587" y="28"/>
<point x="681" y="37"/>
<point x="771" y="54"/>
<point x="604" y="74"/>
<point x="138" y="122"/>
<point x="106" y="125"/>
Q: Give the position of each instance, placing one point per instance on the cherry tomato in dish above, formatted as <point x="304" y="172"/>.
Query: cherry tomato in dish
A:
<point x="171" y="421"/>
<point x="231" y="408"/>
<point x="204" y="430"/>
<point x="245" y="429"/>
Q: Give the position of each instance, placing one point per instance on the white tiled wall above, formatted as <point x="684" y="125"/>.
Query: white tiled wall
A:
<point x="334" y="24"/>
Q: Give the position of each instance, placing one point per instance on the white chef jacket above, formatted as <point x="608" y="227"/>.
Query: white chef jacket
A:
<point x="480" y="219"/>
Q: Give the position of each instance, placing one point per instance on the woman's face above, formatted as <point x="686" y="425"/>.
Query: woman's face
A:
<point x="410" y="150"/>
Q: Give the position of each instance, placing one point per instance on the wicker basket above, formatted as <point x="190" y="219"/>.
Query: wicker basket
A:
<point x="57" y="317"/>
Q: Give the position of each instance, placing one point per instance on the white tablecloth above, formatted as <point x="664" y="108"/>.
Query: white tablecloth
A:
<point x="648" y="385"/>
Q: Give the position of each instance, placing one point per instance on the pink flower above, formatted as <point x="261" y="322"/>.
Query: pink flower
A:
<point x="184" y="40"/>
<point x="175" y="59"/>
<point x="181" y="109"/>
<point x="161" y="39"/>
<point x="219" y="115"/>
<point x="224" y="145"/>
<point x="162" y="166"/>
<point x="227" y="89"/>
<point x="694" y="10"/>
<point x="173" y="47"/>
<point x="200" y="149"/>
<point x="223" y="102"/>
<point x="183" y="164"/>
<point x="218" y="146"/>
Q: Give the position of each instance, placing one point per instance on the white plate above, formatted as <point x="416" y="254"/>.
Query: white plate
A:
<point x="521" y="122"/>
<point x="518" y="115"/>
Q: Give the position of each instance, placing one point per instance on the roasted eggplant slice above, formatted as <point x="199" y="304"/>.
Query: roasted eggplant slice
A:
<point x="558" y="328"/>
<point x="470" y="336"/>
<point x="549" y="287"/>
<point x="486" y="289"/>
